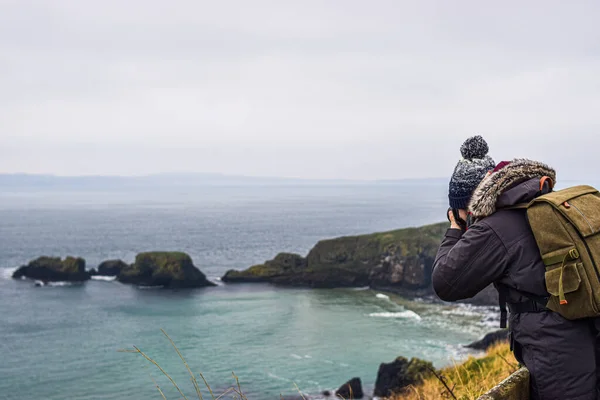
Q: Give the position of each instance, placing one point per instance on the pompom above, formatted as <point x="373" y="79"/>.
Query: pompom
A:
<point x="474" y="147"/>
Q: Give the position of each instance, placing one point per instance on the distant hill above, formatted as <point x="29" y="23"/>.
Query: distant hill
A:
<point x="11" y="182"/>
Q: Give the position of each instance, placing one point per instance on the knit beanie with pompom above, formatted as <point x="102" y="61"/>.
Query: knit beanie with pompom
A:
<point x="469" y="171"/>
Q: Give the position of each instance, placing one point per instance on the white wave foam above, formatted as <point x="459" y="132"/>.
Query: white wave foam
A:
<point x="216" y="280"/>
<point x="307" y="356"/>
<point x="382" y="296"/>
<point x="60" y="284"/>
<point x="279" y="378"/>
<point x="6" y="273"/>
<point x="39" y="283"/>
<point x="402" y="314"/>
<point x="361" y="288"/>
<point x="103" y="278"/>
<point x="489" y="315"/>
<point x="296" y="356"/>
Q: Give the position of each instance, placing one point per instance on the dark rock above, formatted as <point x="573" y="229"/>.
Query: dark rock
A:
<point x="167" y="269"/>
<point x="53" y="269"/>
<point x="93" y="272"/>
<point x="326" y="393"/>
<point x="489" y="340"/>
<point x="111" y="267"/>
<point x="351" y="390"/>
<point x="395" y="376"/>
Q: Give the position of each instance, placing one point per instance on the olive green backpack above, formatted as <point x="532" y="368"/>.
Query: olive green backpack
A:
<point x="566" y="226"/>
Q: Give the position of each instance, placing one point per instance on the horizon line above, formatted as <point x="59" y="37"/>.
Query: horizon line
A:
<point x="212" y="174"/>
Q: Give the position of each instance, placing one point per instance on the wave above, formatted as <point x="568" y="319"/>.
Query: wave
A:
<point x="276" y="377"/>
<point x="489" y="315"/>
<point x="382" y="296"/>
<point x="103" y="278"/>
<point x="407" y="314"/>
<point x="296" y="356"/>
<point x="150" y="287"/>
<point x="216" y="280"/>
<point x="60" y="284"/>
<point x="361" y="288"/>
<point x="6" y="273"/>
<point x="56" y="284"/>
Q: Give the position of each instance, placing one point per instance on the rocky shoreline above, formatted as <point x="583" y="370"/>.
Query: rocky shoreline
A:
<point x="398" y="262"/>
<point x="396" y="376"/>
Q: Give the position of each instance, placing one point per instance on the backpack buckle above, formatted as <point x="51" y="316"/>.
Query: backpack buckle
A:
<point x="574" y="254"/>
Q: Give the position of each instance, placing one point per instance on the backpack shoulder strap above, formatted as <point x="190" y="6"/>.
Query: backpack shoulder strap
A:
<point x="546" y="186"/>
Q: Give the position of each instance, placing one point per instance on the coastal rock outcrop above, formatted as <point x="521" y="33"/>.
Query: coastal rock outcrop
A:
<point x="54" y="269"/>
<point x="351" y="390"/>
<point x="111" y="267"/>
<point x="166" y="269"/>
<point x="489" y="340"/>
<point x="284" y="264"/>
<point x="399" y="261"/>
<point x="395" y="376"/>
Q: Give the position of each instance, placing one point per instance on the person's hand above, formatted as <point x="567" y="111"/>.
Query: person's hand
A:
<point x="453" y="224"/>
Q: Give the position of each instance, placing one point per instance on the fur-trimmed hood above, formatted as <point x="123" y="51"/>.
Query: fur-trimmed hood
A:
<point x="484" y="199"/>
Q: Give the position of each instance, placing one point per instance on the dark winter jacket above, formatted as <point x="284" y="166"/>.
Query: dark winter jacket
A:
<point x="500" y="248"/>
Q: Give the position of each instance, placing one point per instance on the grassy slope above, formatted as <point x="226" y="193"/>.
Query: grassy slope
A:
<point x="468" y="380"/>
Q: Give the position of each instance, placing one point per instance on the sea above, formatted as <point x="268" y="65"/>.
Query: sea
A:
<point x="106" y="340"/>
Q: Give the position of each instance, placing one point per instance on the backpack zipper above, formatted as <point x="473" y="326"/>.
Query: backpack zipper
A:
<point x="584" y="217"/>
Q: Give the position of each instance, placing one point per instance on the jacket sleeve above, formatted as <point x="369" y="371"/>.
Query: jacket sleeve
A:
<point x="467" y="263"/>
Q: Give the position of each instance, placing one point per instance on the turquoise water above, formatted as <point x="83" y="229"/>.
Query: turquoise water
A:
<point x="62" y="342"/>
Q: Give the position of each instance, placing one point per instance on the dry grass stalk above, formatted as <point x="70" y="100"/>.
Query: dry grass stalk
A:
<point x="470" y="379"/>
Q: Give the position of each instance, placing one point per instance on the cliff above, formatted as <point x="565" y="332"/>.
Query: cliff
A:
<point x="399" y="260"/>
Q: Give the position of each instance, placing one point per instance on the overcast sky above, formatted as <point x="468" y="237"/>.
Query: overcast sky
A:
<point x="331" y="89"/>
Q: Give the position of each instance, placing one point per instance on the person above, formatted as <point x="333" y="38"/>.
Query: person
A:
<point x="498" y="247"/>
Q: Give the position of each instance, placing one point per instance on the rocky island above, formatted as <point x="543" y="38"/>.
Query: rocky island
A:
<point x="54" y="269"/>
<point x="166" y="269"/>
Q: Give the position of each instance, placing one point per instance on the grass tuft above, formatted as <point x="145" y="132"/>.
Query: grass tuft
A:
<point x="466" y="381"/>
